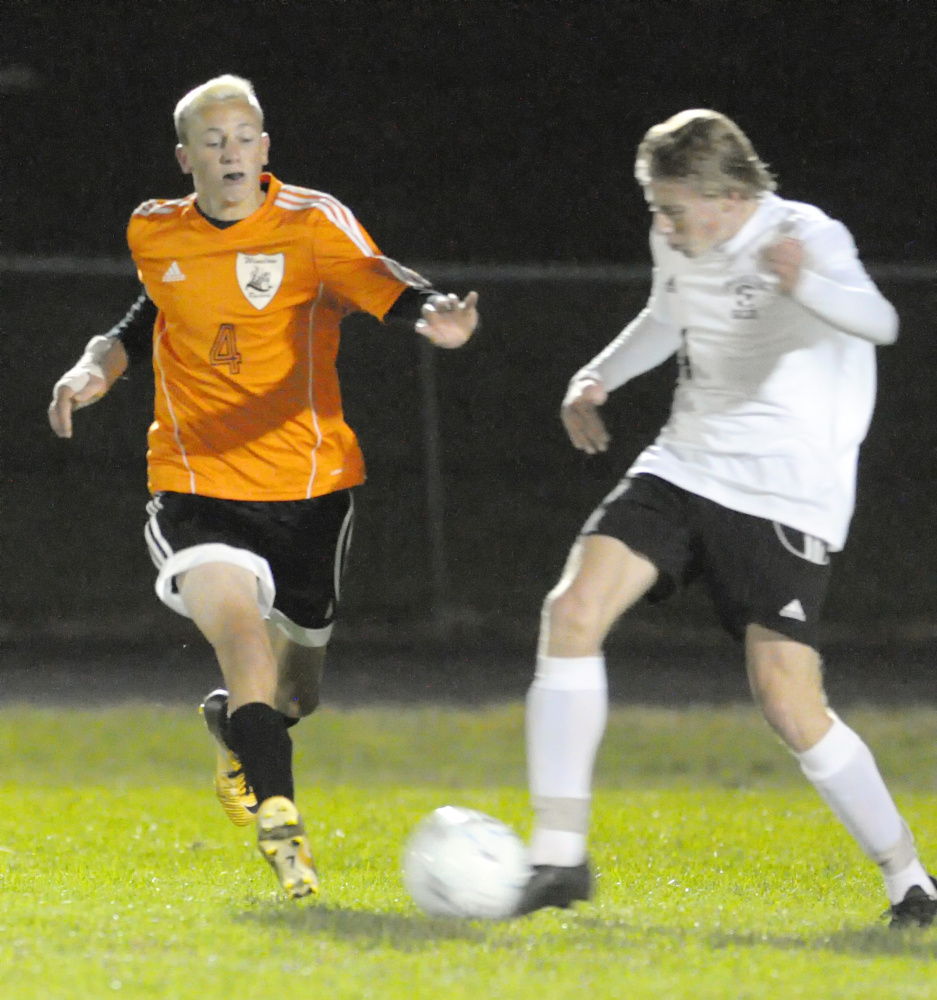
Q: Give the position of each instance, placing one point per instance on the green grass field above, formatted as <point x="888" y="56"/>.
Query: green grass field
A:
<point x="720" y="872"/>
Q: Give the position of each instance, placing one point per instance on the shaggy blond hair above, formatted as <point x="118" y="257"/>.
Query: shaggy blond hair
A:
<point x="221" y="88"/>
<point x="705" y="150"/>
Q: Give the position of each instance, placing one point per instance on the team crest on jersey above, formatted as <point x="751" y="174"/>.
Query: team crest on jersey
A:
<point x="260" y="275"/>
<point x="748" y="293"/>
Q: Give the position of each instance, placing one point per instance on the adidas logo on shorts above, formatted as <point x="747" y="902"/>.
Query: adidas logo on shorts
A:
<point x="793" y="609"/>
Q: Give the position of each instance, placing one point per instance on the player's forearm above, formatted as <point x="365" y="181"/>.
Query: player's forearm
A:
<point x="644" y="344"/>
<point x="853" y="305"/>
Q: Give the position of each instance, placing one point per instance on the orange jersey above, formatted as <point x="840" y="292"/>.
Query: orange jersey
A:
<point x="248" y="405"/>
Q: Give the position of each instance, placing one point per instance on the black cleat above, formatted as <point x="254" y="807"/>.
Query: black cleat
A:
<point x="555" y="885"/>
<point x="916" y="908"/>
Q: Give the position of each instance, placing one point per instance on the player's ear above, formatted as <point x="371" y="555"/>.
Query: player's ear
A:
<point x="182" y="156"/>
<point x="265" y="148"/>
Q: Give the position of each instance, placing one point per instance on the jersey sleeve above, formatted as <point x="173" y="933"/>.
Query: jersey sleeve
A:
<point x="834" y="285"/>
<point x="646" y="342"/>
<point x="352" y="267"/>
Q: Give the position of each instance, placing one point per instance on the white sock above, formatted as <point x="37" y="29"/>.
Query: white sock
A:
<point x="567" y="707"/>
<point x="842" y="769"/>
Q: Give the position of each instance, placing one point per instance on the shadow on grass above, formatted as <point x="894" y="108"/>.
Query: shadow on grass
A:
<point x="404" y="932"/>
<point x="413" y="932"/>
<point x="912" y="942"/>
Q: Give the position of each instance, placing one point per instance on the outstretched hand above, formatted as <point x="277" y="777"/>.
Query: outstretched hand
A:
<point x="580" y="416"/>
<point x="447" y="320"/>
<point x="66" y="399"/>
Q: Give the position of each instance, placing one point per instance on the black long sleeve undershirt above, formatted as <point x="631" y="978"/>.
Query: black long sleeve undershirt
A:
<point x="135" y="330"/>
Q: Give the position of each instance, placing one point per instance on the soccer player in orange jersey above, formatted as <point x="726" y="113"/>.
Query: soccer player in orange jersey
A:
<point x="251" y="464"/>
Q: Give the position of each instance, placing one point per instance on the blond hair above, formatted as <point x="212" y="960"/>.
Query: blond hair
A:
<point x="221" y="88"/>
<point x="705" y="150"/>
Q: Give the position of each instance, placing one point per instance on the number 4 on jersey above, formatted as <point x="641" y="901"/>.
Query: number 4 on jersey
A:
<point x="224" y="351"/>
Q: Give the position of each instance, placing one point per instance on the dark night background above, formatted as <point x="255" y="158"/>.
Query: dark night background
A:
<point x="460" y="133"/>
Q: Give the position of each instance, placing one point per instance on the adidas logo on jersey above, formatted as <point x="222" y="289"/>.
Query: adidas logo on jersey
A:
<point x="793" y="609"/>
<point x="173" y="272"/>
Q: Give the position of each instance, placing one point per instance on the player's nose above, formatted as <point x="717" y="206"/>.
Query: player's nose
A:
<point x="662" y="224"/>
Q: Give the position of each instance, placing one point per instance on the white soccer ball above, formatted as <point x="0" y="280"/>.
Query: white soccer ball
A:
<point x="462" y="863"/>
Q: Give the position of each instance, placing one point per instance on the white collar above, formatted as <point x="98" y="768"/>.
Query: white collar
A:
<point x="756" y="223"/>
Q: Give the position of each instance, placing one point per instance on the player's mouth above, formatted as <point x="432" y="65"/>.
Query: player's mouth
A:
<point x="235" y="177"/>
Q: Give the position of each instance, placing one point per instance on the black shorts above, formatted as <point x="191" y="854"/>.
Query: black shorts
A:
<point x="758" y="572"/>
<point x="296" y="548"/>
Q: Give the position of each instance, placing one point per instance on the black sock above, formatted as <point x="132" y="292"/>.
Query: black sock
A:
<point x="260" y="739"/>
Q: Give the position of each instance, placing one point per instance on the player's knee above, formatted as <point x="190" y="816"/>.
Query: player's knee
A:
<point x="299" y="700"/>
<point x="572" y="613"/>
<point x="780" y="716"/>
<point x="307" y="702"/>
<point x="798" y="719"/>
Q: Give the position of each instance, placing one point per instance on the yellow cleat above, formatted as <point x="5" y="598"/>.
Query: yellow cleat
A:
<point x="231" y="786"/>
<point x="281" y="839"/>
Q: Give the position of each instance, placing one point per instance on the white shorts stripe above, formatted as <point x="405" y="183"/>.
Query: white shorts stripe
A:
<point x="343" y="545"/>
<point x="313" y="637"/>
<point x="160" y="550"/>
<point x="156" y="552"/>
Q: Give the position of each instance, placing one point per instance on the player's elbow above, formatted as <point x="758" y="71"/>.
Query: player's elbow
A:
<point x="880" y="328"/>
<point x="890" y="331"/>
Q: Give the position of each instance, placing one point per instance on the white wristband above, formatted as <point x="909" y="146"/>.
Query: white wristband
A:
<point x="77" y="377"/>
<point x="577" y="383"/>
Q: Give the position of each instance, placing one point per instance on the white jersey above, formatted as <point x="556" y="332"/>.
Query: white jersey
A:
<point x="775" y="392"/>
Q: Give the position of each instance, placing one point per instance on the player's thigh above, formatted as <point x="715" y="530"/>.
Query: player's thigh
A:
<point x="602" y="579"/>
<point x="636" y="542"/>
<point x="786" y="680"/>
<point x="221" y="599"/>
<point x="781" y="667"/>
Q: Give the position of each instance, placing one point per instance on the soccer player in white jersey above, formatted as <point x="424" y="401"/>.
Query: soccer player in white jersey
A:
<point x="749" y="486"/>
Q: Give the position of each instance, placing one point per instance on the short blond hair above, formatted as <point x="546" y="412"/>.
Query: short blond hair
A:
<point x="221" y="88"/>
<point x="705" y="150"/>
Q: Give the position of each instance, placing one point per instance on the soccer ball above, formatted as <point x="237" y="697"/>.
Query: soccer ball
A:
<point x="462" y="863"/>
